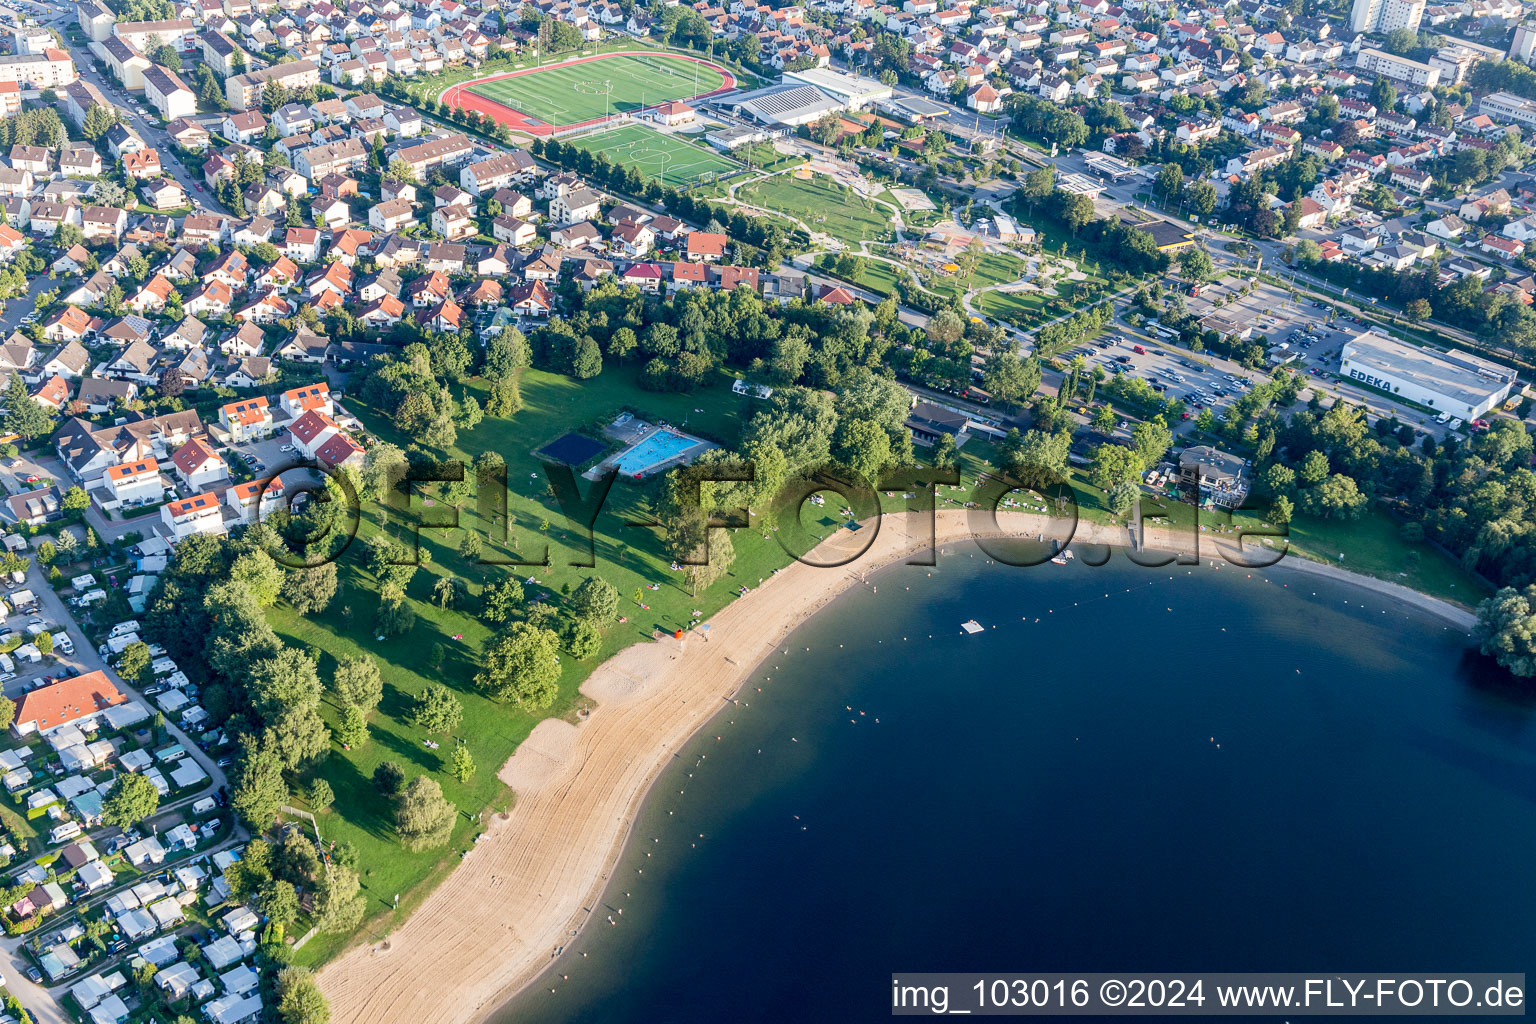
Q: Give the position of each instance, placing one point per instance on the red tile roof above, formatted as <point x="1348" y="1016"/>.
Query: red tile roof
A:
<point x="192" y="456"/>
<point x="311" y="425"/>
<point x="143" y="467"/>
<point x="68" y="700"/>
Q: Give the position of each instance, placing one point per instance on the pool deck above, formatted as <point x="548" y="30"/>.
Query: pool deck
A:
<point x="635" y="433"/>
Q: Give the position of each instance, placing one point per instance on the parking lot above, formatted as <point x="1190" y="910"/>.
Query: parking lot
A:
<point x="1200" y="381"/>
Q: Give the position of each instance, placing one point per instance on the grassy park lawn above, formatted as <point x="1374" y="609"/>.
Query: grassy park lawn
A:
<point x="992" y="268"/>
<point x="629" y="558"/>
<point x="1006" y="305"/>
<point x="1372" y="545"/>
<point x="823" y="204"/>
<point x="880" y="277"/>
<point x="671" y="160"/>
<point x="571" y="94"/>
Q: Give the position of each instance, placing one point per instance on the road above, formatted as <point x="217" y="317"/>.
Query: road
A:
<point x="141" y="123"/>
<point x="19" y="307"/>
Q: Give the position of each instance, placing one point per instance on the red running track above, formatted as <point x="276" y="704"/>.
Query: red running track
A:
<point x="459" y="96"/>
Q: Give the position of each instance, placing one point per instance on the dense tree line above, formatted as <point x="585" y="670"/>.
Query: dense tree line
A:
<point x="40" y="126"/>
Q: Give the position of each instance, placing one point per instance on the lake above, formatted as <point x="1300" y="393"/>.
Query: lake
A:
<point x="1169" y="770"/>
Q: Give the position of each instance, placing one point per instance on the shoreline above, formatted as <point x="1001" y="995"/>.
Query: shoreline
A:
<point x="489" y="929"/>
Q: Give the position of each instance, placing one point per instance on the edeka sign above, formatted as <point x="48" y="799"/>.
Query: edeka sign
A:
<point x="1375" y="382"/>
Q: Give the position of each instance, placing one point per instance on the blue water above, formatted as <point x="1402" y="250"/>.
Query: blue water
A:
<point x="1168" y="771"/>
<point x="659" y="447"/>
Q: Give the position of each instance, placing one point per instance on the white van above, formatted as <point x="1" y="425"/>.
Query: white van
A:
<point x="65" y="832"/>
<point x="124" y="628"/>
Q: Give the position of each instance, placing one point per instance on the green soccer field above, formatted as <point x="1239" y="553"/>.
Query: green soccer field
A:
<point x="656" y="155"/>
<point x="574" y="93"/>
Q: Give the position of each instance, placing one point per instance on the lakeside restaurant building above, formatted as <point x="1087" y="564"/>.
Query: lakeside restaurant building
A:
<point x="1455" y="382"/>
<point x="1211" y="474"/>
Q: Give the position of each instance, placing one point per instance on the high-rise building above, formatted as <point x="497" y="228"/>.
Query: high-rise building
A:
<point x="1385" y="15"/>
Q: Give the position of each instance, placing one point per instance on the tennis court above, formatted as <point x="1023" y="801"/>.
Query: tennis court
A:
<point x="655" y="154"/>
<point x="572" y="449"/>
<point x="587" y="89"/>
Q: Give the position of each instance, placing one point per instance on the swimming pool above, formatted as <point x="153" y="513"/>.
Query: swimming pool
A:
<point x="657" y="448"/>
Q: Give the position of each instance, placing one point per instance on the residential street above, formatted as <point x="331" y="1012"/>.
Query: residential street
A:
<point x="142" y="124"/>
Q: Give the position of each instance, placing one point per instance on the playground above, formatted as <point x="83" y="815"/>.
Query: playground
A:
<point x="544" y="100"/>
<point x="667" y="158"/>
<point x="823" y="204"/>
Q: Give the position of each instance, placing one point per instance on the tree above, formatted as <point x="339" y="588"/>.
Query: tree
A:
<point x="401" y="172"/>
<point x="423" y="816"/>
<point x="1506" y="629"/>
<point x="7" y="712"/>
<point x="1281" y="510"/>
<point x="436" y="709"/>
<point x="171" y="383"/>
<point x="352" y="727"/>
<point x="134" y="661"/>
<point x="1010" y="379"/>
<point x="44" y="643"/>
<point x="1170" y="180"/>
<point x="1196" y="265"/>
<point x="396" y="616"/>
<point x="1123" y="497"/>
<point x="863" y="446"/>
<point x="461" y="765"/>
<point x="522" y="665"/>
<point x="279" y="901"/>
<point x="260" y="575"/>
<point x="1338" y="495"/>
<point x="389" y="778"/>
<point x="595" y="601"/>
<point x="283" y="683"/>
<point x="448" y="591"/>
<point x="259" y="789"/>
<point x="166" y="56"/>
<point x="1113" y="464"/>
<point x="1383" y="95"/>
<point x="501" y="601"/>
<point x="1151" y="439"/>
<point x="1202" y="197"/>
<point x="299" y="1000"/>
<point x="321" y="796"/>
<point x="944" y="455"/>
<point x="339" y="907"/>
<point x="300" y="737"/>
<point x="506" y="398"/>
<point x="1418" y="309"/>
<point x="1104" y="420"/>
<point x="582" y="639"/>
<point x="132" y="799"/>
<point x="22" y="415"/>
<point x="356" y="681"/>
<point x="310" y="590"/>
<point x="76" y="500"/>
<point x="1076" y="211"/>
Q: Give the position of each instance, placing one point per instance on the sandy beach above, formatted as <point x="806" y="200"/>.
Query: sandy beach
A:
<point x="491" y="927"/>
